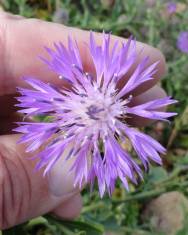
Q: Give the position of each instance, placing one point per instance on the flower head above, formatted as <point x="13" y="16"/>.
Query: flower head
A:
<point x="171" y="7"/>
<point x="182" y="42"/>
<point x="88" y="119"/>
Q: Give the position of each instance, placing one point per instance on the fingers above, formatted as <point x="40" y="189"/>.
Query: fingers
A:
<point x="21" y="41"/>
<point x="69" y="209"/>
<point x="24" y="193"/>
<point x="155" y="92"/>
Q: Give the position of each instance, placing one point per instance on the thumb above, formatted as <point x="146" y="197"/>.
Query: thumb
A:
<point x="24" y="194"/>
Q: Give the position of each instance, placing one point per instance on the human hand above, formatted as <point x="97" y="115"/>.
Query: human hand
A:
<point x="25" y="194"/>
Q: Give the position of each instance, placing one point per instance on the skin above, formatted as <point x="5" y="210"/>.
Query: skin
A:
<point x="25" y="194"/>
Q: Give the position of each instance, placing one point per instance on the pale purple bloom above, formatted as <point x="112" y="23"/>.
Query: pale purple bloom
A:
<point x="171" y="7"/>
<point x="182" y="42"/>
<point x="89" y="119"/>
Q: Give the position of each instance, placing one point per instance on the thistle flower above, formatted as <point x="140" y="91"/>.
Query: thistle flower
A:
<point x="171" y="7"/>
<point x="88" y="119"/>
<point x="182" y="42"/>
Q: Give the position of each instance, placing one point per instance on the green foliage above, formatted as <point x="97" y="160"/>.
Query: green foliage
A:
<point x="49" y="225"/>
<point x="149" y="24"/>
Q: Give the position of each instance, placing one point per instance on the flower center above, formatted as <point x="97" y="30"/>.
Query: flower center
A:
<point x="96" y="113"/>
<point x="97" y="108"/>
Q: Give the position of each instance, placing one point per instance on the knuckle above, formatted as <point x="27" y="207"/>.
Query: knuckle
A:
<point x="11" y="189"/>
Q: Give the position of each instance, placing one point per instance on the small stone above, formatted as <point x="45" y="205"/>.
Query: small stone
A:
<point x="167" y="212"/>
<point x="181" y="7"/>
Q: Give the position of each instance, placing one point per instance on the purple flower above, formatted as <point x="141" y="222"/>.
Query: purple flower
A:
<point x="88" y="120"/>
<point x="182" y="42"/>
<point x="171" y="7"/>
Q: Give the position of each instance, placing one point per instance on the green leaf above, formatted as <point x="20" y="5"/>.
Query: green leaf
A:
<point x="86" y="228"/>
<point x="183" y="161"/>
<point x="157" y="174"/>
<point x="89" y="228"/>
<point x="37" y="221"/>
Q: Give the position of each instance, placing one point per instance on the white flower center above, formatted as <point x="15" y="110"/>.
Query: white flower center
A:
<point x="97" y="109"/>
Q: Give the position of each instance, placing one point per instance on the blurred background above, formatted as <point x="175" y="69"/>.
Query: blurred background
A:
<point x="159" y="205"/>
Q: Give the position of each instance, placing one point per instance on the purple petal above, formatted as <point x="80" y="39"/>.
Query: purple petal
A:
<point x="150" y="109"/>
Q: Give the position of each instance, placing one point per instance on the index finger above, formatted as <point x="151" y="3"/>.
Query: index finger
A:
<point x="22" y="41"/>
